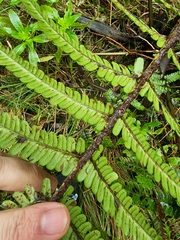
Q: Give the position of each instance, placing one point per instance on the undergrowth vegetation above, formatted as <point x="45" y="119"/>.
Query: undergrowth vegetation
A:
<point x="103" y="112"/>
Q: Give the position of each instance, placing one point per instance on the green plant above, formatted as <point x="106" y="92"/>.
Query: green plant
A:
<point x="114" y="122"/>
<point x="26" y="35"/>
<point x="67" y="22"/>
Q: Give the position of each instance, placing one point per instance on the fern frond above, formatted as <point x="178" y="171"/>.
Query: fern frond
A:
<point x="172" y="55"/>
<point x="150" y="93"/>
<point x="174" y="125"/>
<point x="152" y="97"/>
<point x="113" y="73"/>
<point x="82" y="226"/>
<point x="160" y="84"/>
<point x="47" y="149"/>
<point x="148" y="157"/>
<point x="80" y="106"/>
<point x="30" y="196"/>
<point x="92" y="180"/>
<point x="169" y="6"/>
<point x="70" y="235"/>
<point x="138" y="228"/>
<point x="100" y="177"/>
<point x="78" y="220"/>
<point x="142" y="25"/>
<point x="172" y="77"/>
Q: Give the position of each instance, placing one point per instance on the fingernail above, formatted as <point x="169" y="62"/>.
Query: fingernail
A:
<point x="54" y="221"/>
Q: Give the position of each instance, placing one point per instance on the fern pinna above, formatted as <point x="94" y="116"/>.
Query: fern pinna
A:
<point x="71" y="156"/>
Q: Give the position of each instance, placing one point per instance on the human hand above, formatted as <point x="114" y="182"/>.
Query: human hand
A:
<point x="44" y="221"/>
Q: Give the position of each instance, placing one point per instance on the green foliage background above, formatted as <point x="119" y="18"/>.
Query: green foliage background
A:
<point x="130" y="185"/>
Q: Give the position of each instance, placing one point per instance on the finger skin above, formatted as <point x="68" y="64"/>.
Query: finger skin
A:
<point x="15" y="173"/>
<point x="44" y="221"/>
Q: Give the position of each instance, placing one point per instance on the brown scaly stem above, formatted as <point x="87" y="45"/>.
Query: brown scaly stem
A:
<point x="118" y="113"/>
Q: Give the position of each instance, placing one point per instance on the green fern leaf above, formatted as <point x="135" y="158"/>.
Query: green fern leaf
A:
<point x="149" y="158"/>
<point x="21" y="199"/>
<point x="83" y="173"/>
<point x="111" y="177"/>
<point x="107" y="200"/>
<point x="152" y="97"/>
<point x="8" y="204"/>
<point x="142" y="25"/>
<point x="101" y="191"/>
<point x="174" y="125"/>
<point x="169" y="6"/>
<point x="144" y="89"/>
<point x="120" y="217"/>
<point x="95" y="183"/>
<point x="59" y="95"/>
<point x="174" y="57"/>
<point x="116" y="187"/>
<point x="38" y="146"/>
<point x="46" y="188"/>
<point x="90" y="62"/>
<point x="70" y="235"/>
<point x="102" y="161"/>
<point x="89" y="178"/>
<point x="94" y="235"/>
<point x="82" y="227"/>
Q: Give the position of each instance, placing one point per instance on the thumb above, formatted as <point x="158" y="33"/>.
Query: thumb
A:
<point x="45" y="221"/>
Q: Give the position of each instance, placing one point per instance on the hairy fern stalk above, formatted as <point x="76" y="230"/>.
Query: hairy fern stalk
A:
<point x="91" y="165"/>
